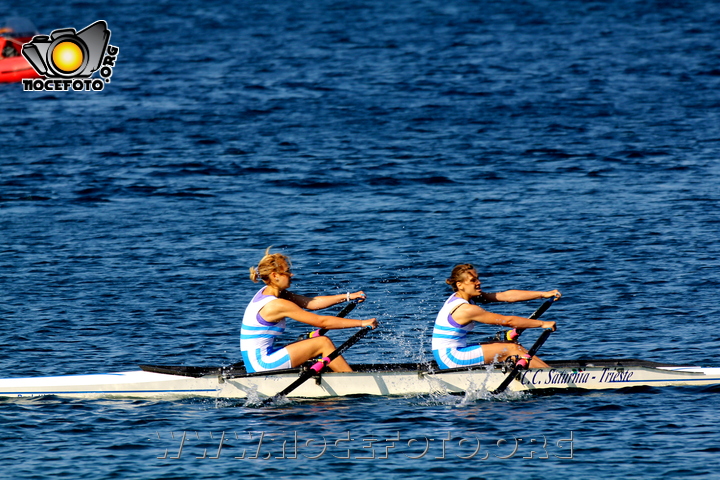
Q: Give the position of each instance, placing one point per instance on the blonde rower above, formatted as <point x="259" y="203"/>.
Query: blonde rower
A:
<point x="264" y="320"/>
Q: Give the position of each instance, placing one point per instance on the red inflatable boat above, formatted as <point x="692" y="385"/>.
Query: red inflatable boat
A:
<point x="13" y="34"/>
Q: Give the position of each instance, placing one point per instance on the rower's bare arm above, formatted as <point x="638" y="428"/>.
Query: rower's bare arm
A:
<point x="519" y="295"/>
<point x="469" y="313"/>
<point x="323" y="301"/>
<point x="278" y="309"/>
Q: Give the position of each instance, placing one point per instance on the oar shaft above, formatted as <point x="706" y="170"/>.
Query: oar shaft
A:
<point x="513" y="373"/>
<point x="341" y="349"/>
<point x="546" y="304"/>
<point x="539" y="342"/>
<point x="319" y="365"/>
<point x="533" y="350"/>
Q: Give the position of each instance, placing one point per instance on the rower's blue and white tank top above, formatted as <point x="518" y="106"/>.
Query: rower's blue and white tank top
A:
<point x="447" y="333"/>
<point x="449" y="339"/>
<point x="257" y="336"/>
<point x="256" y="332"/>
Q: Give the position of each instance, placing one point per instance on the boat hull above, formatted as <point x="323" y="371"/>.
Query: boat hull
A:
<point x="395" y="381"/>
<point x="16" y="69"/>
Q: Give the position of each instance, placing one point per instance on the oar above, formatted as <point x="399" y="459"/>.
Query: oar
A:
<point x="319" y="365"/>
<point x="513" y="334"/>
<point x="317" y="333"/>
<point x="513" y="373"/>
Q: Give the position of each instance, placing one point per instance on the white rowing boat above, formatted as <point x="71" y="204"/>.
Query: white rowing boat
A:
<point x="387" y="380"/>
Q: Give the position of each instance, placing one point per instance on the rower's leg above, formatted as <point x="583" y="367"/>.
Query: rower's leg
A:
<point x="498" y="352"/>
<point x="302" y="351"/>
<point x="535" y="362"/>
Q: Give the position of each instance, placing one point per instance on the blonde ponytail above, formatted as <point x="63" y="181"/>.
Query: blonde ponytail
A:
<point x="254" y="274"/>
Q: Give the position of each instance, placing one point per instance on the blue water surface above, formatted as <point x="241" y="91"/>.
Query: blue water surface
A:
<point x="553" y="144"/>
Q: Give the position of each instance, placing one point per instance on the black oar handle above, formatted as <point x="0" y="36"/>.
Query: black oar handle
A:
<point x="319" y="365"/>
<point x="536" y="314"/>
<point x="513" y="373"/>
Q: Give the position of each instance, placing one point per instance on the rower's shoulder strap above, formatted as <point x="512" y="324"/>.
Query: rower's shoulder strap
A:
<point x="460" y="303"/>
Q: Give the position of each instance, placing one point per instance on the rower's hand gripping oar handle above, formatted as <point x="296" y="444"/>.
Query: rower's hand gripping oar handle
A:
<point x="317" y="333"/>
<point x="317" y="367"/>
